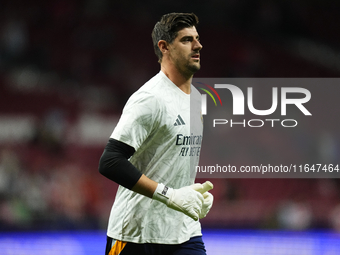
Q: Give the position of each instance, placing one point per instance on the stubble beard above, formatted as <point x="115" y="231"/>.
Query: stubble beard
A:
<point x="188" y="69"/>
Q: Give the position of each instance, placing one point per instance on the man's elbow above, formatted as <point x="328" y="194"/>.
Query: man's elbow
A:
<point x="103" y="168"/>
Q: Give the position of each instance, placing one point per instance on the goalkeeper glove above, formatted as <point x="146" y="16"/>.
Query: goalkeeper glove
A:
<point x="185" y="200"/>
<point x="208" y="199"/>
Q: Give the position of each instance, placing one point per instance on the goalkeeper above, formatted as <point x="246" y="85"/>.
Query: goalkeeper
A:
<point x="150" y="153"/>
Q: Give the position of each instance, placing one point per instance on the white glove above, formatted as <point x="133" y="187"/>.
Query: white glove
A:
<point x="208" y="199"/>
<point x="186" y="199"/>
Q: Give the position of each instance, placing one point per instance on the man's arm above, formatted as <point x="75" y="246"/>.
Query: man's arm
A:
<point x="114" y="164"/>
<point x="145" y="186"/>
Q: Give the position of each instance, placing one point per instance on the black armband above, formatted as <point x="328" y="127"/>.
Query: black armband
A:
<point x="114" y="164"/>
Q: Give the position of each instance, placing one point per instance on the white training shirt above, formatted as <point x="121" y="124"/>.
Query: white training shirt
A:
<point x="164" y="125"/>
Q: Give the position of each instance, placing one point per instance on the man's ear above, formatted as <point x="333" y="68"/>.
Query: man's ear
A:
<point x="163" y="46"/>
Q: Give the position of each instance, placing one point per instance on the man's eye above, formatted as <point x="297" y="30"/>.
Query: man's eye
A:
<point x="187" y="39"/>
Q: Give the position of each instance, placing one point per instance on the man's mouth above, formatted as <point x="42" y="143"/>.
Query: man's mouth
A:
<point x="196" y="56"/>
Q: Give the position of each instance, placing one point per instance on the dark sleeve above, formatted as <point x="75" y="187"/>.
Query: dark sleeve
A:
<point x="114" y="164"/>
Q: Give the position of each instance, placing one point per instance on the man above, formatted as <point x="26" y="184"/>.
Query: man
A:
<point x="153" y="150"/>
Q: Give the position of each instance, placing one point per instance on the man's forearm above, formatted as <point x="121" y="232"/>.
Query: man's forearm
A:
<point x="145" y="186"/>
<point x="114" y="164"/>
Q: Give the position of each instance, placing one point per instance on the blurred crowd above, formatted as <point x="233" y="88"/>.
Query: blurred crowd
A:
<point x="56" y="197"/>
<point x="61" y="60"/>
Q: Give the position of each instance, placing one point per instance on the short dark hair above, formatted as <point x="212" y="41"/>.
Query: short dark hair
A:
<point x="167" y="28"/>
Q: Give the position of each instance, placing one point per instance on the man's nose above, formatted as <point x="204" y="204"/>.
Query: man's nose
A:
<point x="198" y="46"/>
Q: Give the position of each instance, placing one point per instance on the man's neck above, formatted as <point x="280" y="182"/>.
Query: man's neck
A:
<point x="182" y="82"/>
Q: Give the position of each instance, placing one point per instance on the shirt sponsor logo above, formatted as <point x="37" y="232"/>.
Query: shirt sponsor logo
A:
<point x="191" y="144"/>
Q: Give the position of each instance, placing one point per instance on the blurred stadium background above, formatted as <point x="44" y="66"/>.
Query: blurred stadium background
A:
<point x="66" y="70"/>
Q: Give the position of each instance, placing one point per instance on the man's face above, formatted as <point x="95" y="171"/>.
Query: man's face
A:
<point x="184" y="51"/>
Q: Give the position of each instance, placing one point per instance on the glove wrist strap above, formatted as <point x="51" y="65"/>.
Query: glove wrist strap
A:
<point x="162" y="193"/>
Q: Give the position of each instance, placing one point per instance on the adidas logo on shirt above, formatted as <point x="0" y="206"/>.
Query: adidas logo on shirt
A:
<point x="179" y="121"/>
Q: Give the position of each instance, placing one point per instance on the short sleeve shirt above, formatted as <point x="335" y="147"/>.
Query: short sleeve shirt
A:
<point x="164" y="126"/>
